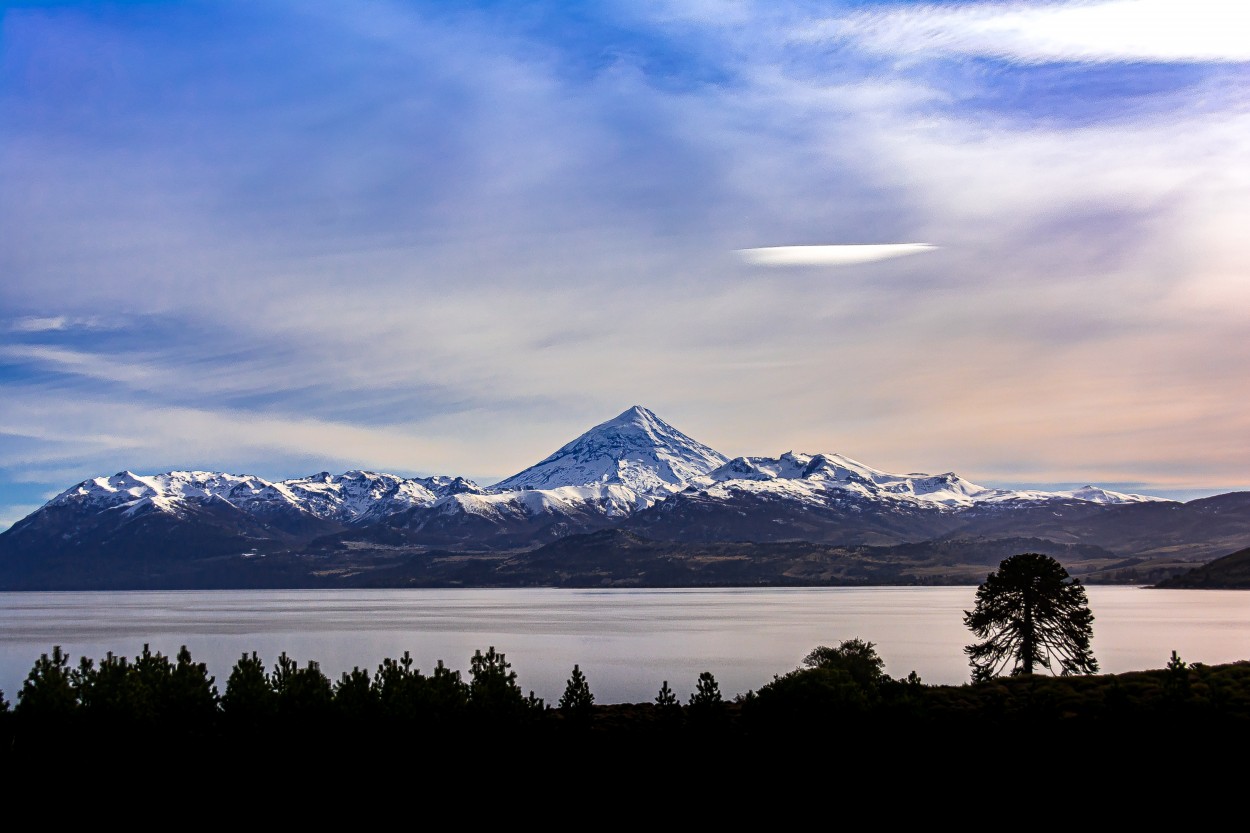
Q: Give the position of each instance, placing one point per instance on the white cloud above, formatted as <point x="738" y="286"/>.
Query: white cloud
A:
<point x="169" y="437"/>
<point x="834" y="255"/>
<point x="54" y="323"/>
<point x="1118" y="30"/>
<point x="35" y="324"/>
<point x="572" y="257"/>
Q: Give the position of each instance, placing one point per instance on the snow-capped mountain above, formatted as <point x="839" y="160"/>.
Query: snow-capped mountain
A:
<point x="349" y="498"/>
<point x="812" y="477"/>
<point x="635" y="473"/>
<point x="636" y="449"/>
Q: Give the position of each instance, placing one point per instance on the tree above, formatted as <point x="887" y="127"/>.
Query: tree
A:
<point x="301" y="693"/>
<point x="577" y="703"/>
<point x="48" y="691"/>
<point x="1176" y="686"/>
<point x="856" y="657"/>
<point x="354" y="695"/>
<point x="577" y="698"/>
<point x="1030" y="613"/>
<point x="706" y="694"/>
<point x="190" y="694"/>
<point x="493" y="691"/>
<point x="249" y="698"/>
<point x="706" y="709"/>
<point x="833" y="686"/>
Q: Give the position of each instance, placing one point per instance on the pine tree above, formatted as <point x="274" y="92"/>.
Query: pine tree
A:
<point x="706" y="707"/>
<point x="707" y="692"/>
<point x="400" y="689"/>
<point x="301" y="693"/>
<point x="355" y="697"/>
<point x="191" y="696"/>
<point x="1176" y="685"/>
<point x="577" y="701"/>
<point x="48" y="691"/>
<point x="249" y="697"/>
<point x="493" y="691"/>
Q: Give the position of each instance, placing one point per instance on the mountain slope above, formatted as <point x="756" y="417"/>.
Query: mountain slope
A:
<point x="1230" y="572"/>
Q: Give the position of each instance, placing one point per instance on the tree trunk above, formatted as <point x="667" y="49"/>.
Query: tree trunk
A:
<point x="1027" y="636"/>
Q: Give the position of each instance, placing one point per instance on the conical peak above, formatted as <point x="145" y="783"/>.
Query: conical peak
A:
<point x="636" y="411"/>
<point x="637" y="415"/>
<point x="635" y="448"/>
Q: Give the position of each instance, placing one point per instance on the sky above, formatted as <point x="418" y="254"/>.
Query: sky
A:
<point x="274" y="238"/>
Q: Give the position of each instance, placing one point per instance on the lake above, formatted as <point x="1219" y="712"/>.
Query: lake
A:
<point x="627" y="642"/>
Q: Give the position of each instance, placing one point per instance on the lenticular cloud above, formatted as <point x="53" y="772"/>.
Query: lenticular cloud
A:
<point x="1111" y="30"/>
<point x="835" y="255"/>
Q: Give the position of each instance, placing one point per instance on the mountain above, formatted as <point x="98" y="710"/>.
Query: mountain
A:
<point x="636" y="449"/>
<point x="636" y="476"/>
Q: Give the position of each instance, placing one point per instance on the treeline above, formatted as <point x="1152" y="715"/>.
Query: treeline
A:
<point x="155" y="702"/>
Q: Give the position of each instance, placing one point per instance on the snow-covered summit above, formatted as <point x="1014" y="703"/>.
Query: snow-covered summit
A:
<point x="1090" y="494"/>
<point x="352" y="497"/>
<point x="636" y="449"/>
<point x="813" y="477"/>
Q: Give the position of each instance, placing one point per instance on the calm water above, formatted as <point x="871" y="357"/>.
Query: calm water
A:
<point x="626" y="641"/>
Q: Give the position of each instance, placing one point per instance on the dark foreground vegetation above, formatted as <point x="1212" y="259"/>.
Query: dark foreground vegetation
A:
<point x="168" y="713"/>
<point x="836" y="727"/>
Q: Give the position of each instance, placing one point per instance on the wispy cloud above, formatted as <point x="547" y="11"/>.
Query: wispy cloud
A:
<point x="433" y="241"/>
<point x="53" y="323"/>
<point x="831" y="255"/>
<point x="1112" y="30"/>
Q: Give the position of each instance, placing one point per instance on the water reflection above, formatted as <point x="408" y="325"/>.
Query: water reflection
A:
<point x="626" y="641"/>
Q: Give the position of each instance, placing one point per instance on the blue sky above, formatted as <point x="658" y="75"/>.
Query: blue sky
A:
<point x="280" y="237"/>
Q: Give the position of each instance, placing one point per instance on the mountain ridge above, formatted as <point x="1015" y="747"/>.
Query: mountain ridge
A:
<point x="633" y="472"/>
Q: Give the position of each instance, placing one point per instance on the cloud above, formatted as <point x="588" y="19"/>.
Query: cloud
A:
<point x="453" y="242"/>
<point x="1165" y="31"/>
<point x="111" y="434"/>
<point x="53" y="323"/>
<point x="833" y="255"/>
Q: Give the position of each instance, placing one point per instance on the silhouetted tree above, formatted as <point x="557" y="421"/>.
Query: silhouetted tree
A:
<point x="191" y="696"/>
<point x="577" y="701"/>
<point x="1176" y="685"/>
<point x="706" y="706"/>
<point x="153" y="670"/>
<point x="399" y="687"/>
<point x="112" y="693"/>
<point x="856" y="657"/>
<point x="833" y="686"/>
<point x="493" y="691"/>
<point x="48" y="691"/>
<point x="576" y="691"/>
<point x="666" y="698"/>
<point x="354" y="695"/>
<point x="301" y="693"/>
<point x="447" y="695"/>
<point x="706" y="692"/>
<point x="249" y="698"/>
<point x="1030" y="613"/>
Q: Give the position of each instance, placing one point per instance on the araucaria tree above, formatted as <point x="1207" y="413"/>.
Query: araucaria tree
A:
<point x="1031" y="614"/>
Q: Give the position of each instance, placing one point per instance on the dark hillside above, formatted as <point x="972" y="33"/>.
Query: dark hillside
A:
<point x="1232" y="572"/>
